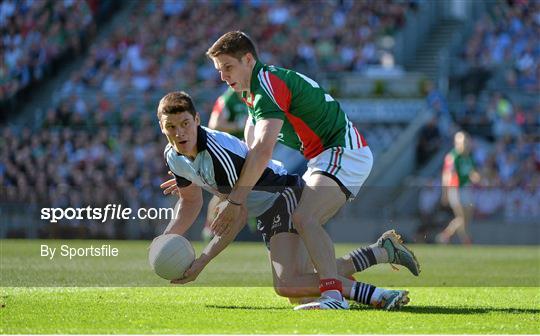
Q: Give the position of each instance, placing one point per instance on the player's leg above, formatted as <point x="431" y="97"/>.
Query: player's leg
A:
<point x="332" y="177"/>
<point x="295" y="279"/>
<point x="320" y="200"/>
<point x="277" y="221"/>
<point x="389" y="248"/>
<point x="467" y="204"/>
<point x="459" y="216"/>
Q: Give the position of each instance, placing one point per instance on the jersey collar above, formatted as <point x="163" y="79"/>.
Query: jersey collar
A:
<point x="201" y="139"/>
<point x="254" y="79"/>
<point x="252" y="85"/>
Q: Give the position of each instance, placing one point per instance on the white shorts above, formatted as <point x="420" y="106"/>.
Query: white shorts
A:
<point x="348" y="167"/>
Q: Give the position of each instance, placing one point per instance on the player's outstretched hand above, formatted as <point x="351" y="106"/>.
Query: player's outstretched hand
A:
<point x="227" y="214"/>
<point x="169" y="186"/>
<point x="192" y="272"/>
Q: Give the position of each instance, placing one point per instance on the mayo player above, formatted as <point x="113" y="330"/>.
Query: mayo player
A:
<point x="201" y="158"/>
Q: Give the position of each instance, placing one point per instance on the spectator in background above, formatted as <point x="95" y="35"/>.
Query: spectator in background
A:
<point x="437" y="102"/>
<point x="473" y="119"/>
<point x="470" y="113"/>
<point x="429" y="140"/>
<point x="457" y="177"/>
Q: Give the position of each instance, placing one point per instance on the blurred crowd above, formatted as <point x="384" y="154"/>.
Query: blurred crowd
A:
<point x="36" y="35"/>
<point x="508" y="38"/>
<point x="161" y="47"/>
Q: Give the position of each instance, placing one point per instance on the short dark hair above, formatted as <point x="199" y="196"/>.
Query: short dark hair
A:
<point x="235" y="44"/>
<point x="176" y="102"/>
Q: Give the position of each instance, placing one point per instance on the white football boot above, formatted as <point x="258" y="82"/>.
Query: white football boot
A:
<point x="324" y="302"/>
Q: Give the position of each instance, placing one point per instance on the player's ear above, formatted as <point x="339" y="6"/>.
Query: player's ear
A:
<point x="197" y="119"/>
<point x="161" y="126"/>
<point x="248" y="58"/>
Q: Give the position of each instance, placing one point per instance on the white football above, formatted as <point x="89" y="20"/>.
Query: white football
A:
<point x="170" y="256"/>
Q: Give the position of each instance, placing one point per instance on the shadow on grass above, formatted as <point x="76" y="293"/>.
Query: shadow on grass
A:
<point x="407" y="309"/>
<point x="246" y="307"/>
<point x="452" y="310"/>
<point x="465" y="310"/>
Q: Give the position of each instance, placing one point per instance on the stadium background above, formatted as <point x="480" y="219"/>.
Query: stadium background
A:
<point x="80" y="82"/>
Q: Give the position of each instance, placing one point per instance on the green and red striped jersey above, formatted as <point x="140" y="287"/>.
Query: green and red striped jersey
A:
<point x="460" y="167"/>
<point x="313" y="120"/>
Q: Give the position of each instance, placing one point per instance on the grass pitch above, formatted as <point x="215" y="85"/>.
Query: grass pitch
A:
<point x="460" y="290"/>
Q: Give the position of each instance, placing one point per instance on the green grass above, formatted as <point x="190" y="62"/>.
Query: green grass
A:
<point x="460" y="290"/>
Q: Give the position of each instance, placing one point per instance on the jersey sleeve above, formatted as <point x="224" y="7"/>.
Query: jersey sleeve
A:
<point x="218" y="106"/>
<point x="265" y="108"/>
<point x="181" y="182"/>
<point x="448" y="165"/>
<point x="274" y="96"/>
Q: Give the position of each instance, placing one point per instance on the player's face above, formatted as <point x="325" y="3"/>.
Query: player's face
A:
<point x="236" y="73"/>
<point x="181" y="131"/>
<point x="462" y="143"/>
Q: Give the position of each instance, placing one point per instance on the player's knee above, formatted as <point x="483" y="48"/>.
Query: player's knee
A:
<point x="302" y="220"/>
<point x="282" y="289"/>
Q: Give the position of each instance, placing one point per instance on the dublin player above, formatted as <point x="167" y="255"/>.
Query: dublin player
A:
<point x="201" y="158"/>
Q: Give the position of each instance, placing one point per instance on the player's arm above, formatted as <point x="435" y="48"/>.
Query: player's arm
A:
<point x="249" y="130"/>
<point x="265" y="135"/>
<point x="475" y="175"/>
<point x="214" y="248"/>
<point x="187" y="209"/>
<point x="218" y="121"/>
<point x="220" y="242"/>
<point x="446" y="178"/>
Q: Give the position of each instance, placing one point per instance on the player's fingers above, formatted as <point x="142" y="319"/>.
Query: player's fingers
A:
<point x="187" y="274"/>
<point x="215" y="223"/>
<point x="169" y="190"/>
<point x="167" y="183"/>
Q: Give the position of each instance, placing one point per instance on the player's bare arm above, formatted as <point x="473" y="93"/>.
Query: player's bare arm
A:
<point x="249" y="133"/>
<point x="187" y="209"/>
<point x="218" y="121"/>
<point x="214" y="248"/>
<point x="266" y="134"/>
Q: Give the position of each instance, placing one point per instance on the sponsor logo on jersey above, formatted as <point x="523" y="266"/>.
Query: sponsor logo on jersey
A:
<point x="276" y="222"/>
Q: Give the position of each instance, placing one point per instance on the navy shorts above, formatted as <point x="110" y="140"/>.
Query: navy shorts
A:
<point x="278" y="218"/>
